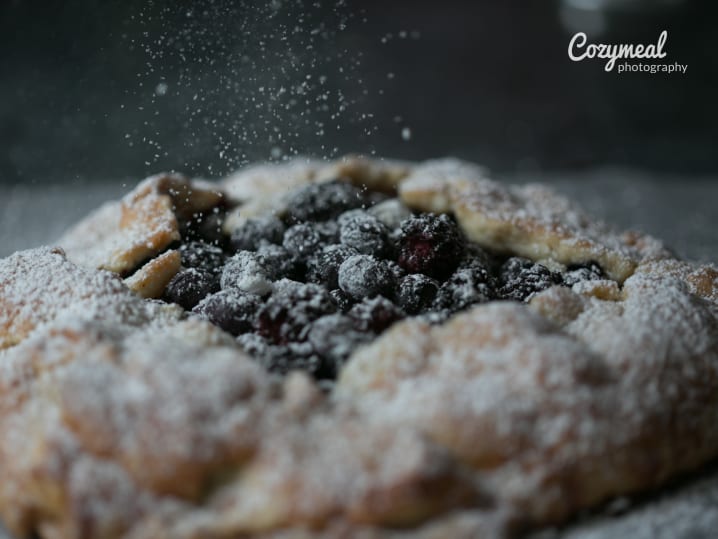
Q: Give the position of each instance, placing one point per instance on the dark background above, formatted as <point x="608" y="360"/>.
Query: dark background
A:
<point x="120" y="89"/>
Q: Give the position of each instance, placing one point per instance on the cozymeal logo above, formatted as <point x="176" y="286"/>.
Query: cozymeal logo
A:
<point x="580" y="49"/>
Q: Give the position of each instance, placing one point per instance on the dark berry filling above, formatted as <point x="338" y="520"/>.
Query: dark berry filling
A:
<point x="430" y="244"/>
<point x="203" y="256"/>
<point x="233" y="310"/>
<point x="256" y="231"/>
<point x="303" y="288"/>
<point x="189" y="286"/>
<point x="521" y="278"/>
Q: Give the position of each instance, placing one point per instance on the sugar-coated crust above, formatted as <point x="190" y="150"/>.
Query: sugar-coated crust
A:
<point x="121" y="235"/>
<point x="125" y="417"/>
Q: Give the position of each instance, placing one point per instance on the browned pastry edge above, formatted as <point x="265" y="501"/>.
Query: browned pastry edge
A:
<point x="118" y="417"/>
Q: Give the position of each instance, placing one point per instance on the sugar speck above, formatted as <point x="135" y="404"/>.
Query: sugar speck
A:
<point x="161" y="89"/>
<point x="406" y="133"/>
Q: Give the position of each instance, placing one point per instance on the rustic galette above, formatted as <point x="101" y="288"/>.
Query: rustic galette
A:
<point x="357" y="348"/>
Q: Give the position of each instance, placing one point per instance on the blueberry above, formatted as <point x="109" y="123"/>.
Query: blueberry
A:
<point x="202" y="256"/>
<point x="391" y="212"/>
<point x="362" y="276"/>
<point x="278" y="262"/>
<point x="365" y="233"/>
<point x="416" y="293"/>
<point x="232" y="310"/>
<point x="288" y="312"/>
<point x="335" y="337"/>
<point x="302" y="240"/>
<point x="323" y="267"/>
<point x="256" y="231"/>
<point x="247" y="271"/>
<point x="189" y="286"/>
<point x="430" y="244"/>
<point x="575" y="273"/>
<point x="375" y="314"/>
<point x="521" y="278"/>
<point x="321" y="201"/>
<point x="254" y="271"/>
<point x="328" y="232"/>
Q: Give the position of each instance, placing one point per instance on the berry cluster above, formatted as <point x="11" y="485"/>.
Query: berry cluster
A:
<point x="337" y="267"/>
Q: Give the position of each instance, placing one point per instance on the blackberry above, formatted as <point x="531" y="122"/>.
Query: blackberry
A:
<point x="341" y="300"/>
<point x="375" y="314"/>
<point x="396" y="270"/>
<point x="335" y="337"/>
<point x="430" y="244"/>
<point x="466" y="286"/>
<point x="302" y="240"/>
<point x="232" y="310"/>
<point x="288" y="312"/>
<point x="323" y="267"/>
<point x="363" y="276"/>
<point x="205" y="227"/>
<point x="365" y="233"/>
<point x="189" y="286"/>
<point x="476" y="257"/>
<point x="256" y="231"/>
<point x="575" y="273"/>
<point x="253" y="344"/>
<point x="202" y="256"/>
<point x="282" y="359"/>
<point x="521" y="278"/>
<point x="416" y="293"/>
<point x="321" y="201"/>
<point x="436" y="317"/>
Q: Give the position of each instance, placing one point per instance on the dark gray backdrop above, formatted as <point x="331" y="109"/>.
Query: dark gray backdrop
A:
<point x="93" y="90"/>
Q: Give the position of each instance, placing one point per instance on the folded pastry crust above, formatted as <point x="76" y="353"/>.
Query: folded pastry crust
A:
<point x="121" y="416"/>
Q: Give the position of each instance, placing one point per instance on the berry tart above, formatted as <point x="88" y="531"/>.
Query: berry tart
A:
<point x="355" y="348"/>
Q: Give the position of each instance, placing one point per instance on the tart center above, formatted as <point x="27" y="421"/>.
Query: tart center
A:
<point x="303" y="287"/>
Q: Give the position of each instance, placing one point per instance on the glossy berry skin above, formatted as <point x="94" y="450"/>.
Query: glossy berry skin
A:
<point x="375" y="314"/>
<point x="232" y="310"/>
<point x="521" y="278"/>
<point x="416" y="293"/>
<point x="255" y="231"/>
<point x="321" y="201"/>
<point x="288" y="313"/>
<point x="202" y="256"/>
<point x="430" y="244"/>
<point x="323" y="267"/>
<point x="363" y="276"/>
<point x="189" y="286"/>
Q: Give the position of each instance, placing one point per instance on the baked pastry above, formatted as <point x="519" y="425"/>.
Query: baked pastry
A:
<point x="346" y="349"/>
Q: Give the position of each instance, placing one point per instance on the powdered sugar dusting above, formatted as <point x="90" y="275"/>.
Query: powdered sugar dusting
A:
<point x="142" y="422"/>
